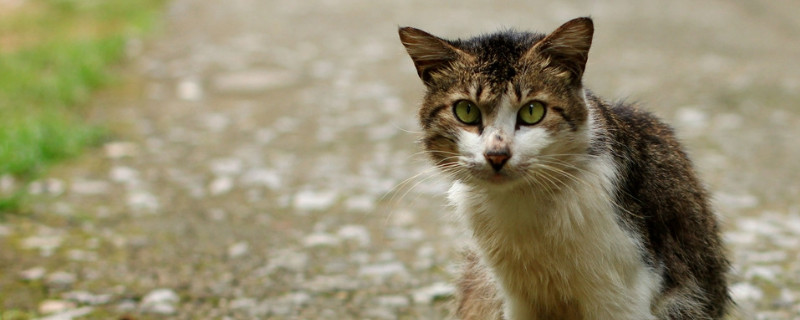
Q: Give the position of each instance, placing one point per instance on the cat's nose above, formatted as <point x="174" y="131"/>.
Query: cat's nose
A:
<point x="497" y="158"/>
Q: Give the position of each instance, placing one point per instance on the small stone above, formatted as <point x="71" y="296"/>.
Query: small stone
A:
<point x="143" y="200"/>
<point x="744" y="291"/>
<point x="262" y="177"/>
<point x="243" y="303"/>
<point x="215" y="122"/>
<point x="254" y="80"/>
<point x="81" y="255"/>
<point x="220" y="185"/>
<point x="90" y="187"/>
<point x="286" y="259"/>
<point x="49" y="186"/>
<point x="299" y="299"/>
<point x="362" y="203"/>
<point x="691" y="117"/>
<point x="238" y="250"/>
<point x="85" y="297"/>
<point x="226" y="166"/>
<point x="190" y="90"/>
<point x="45" y="243"/>
<point x="123" y="174"/>
<point x="70" y="314"/>
<point x="53" y="306"/>
<point x="33" y="274"/>
<point x="4" y="231"/>
<point x="60" y="279"/>
<point x="383" y="269"/>
<point x="120" y="149"/>
<point x="767" y="273"/>
<point x="160" y="301"/>
<point x="327" y="284"/>
<point x="428" y="295"/>
<point x="355" y="232"/>
<point x="7" y="184"/>
<point x="320" y="240"/>
<point x="395" y="301"/>
<point x="126" y="305"/>
<point x="740" y="201"/>
<point x="314" y="200"/>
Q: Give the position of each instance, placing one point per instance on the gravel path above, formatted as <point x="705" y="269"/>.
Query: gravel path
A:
<point x="265" y="167"/>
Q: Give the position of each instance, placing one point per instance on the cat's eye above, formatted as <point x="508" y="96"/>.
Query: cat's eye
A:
<point x="467" y="112"/>
<point x="531" y="113"/>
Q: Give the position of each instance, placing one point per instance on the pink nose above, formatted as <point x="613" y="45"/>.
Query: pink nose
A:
<point x="497" y="158"/>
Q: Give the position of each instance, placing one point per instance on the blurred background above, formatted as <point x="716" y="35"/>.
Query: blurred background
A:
<point x="197" y="159"/>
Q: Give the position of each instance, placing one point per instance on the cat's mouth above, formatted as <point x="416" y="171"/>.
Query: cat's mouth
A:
<point x="493" y="177"/>
<point x="498" y="178"/>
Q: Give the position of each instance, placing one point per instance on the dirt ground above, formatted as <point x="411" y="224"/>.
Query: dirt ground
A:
<point x="264" y="163"/>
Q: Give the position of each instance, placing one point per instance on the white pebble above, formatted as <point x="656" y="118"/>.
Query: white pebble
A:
<point x="735" y="201"/>
<point x="320" y="239"/>
<point x="262" y="177"/>
<point x="89" y="187"/>
<point x="239" y="249"/>
<point x="7" y="183"/>
<point x="355" y="232"/>
<point x="383" y="269"/>
<point x="215" y="122"/>
<point x="393" y="301"/>
<point x="120" y="149"/>
<point x="242" y="303"/>
<point x="160" y="301"/>
<point x="286" y="259"/>
<point x="33" y="274"/>
<point x="744" y="291"/>
<point x="70" y="314"/>
<point x="768" y="273"/>
<point x="4" y="230"/>
<point x="123" y="174"/>
<point x="143" y="200"/>
<point x="60" y="279"/>
<point x="220" y="185"/>
<point x="85" y="297"/>
<point x="314" y="200"/>
<point x="253" y="80"/>
<point x="190" y="90"/>
<point x="49" y="186"/>
<point x="691" y="117"/>
<point x="45" y="243"/>
<point x="54" y="306"/>
<point x="362" y="203"/>
<point x="226" y="166"/>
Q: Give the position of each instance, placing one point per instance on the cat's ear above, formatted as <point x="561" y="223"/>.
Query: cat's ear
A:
<point x="429" y="53"/>
<point x="567" y="47"/>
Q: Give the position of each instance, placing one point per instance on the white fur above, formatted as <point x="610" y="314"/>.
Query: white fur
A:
<point x="554" y="249"/>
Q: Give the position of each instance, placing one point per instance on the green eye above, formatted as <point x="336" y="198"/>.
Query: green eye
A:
<point x="467" y="112"/>
<point x="531" y="113"/>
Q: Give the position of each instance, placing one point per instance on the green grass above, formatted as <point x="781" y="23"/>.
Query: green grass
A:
<point x="53" y="55"/>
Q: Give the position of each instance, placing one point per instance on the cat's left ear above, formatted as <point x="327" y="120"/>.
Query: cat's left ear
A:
<point x="567" y="47"/>
<point x="429" y="53"/>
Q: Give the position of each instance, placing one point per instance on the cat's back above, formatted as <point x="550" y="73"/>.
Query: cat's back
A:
<point x="662" y="198"/>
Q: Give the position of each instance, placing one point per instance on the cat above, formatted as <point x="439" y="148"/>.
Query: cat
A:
<point x="578" y="208"/>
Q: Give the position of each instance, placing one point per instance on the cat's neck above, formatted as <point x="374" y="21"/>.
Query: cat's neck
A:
<point x="576" y="201"/>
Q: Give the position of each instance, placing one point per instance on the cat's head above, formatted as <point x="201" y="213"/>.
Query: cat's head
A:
<point x="505" y="108"/>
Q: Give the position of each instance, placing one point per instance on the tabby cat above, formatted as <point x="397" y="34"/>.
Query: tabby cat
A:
<point x="578" y="208"/>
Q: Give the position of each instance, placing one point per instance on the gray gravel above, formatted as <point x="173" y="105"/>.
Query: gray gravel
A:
<point x="264" y="163"/>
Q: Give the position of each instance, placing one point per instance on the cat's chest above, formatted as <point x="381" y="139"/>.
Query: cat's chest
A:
<point x="565" y="240"/>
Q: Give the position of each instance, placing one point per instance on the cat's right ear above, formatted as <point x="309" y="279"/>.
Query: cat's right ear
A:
<point x="429" y="53"/>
